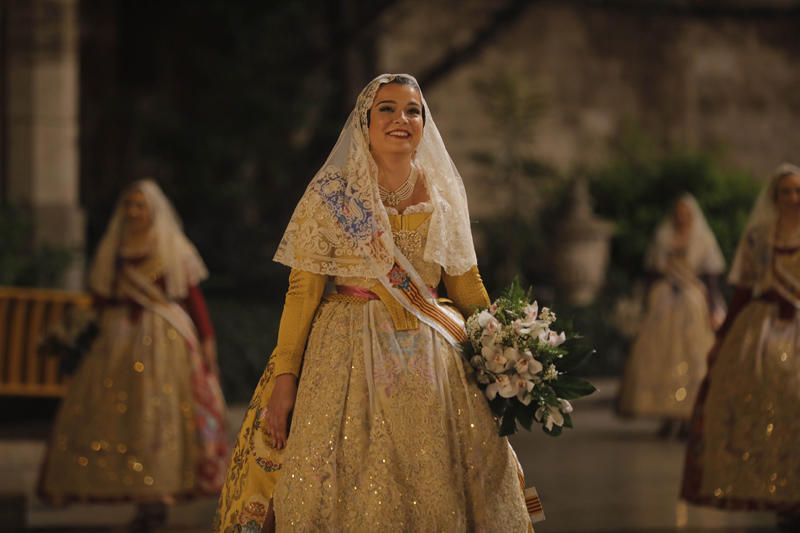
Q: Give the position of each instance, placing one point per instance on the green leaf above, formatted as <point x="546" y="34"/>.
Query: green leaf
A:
<point x="554" y="432"/>
<point x="574" y="358"/>
<point x="498" y="406"/>
<point x="571" y="387"/>
<point x="567" y="420"/>
<point x="525" y="416"/>
<point x="508" y="424"/>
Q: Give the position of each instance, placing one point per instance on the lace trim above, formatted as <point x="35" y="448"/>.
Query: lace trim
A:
<point x="422" y="207"/>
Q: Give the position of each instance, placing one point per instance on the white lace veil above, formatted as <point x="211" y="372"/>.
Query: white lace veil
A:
<point x="182" y="265"/>
<point x="756" y="242"/>
<point x="340" y="227"/>
<point x="703" y="253"/>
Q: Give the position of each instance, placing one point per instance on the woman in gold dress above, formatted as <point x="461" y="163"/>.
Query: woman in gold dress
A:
<point x="668" y="357"/>
<point x="388" y="432"/>
<point x="743" y="444"/>
<point x="143" y="418"/>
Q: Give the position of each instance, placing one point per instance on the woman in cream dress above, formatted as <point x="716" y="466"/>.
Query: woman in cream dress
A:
<point x="743" y="445"/>
<point x="143" y="418"/>
<point x="668" y="358"/>
<point x="388" y="432"/>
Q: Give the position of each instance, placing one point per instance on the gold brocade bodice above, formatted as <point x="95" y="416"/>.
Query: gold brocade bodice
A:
<point x="410" y="232"/>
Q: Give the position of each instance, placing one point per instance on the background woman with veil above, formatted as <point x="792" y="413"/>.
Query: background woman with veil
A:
<point x="388" y="433"/>
<point x="743" y="443"/>
<point x="143" y="418"/>
<point x="668" y="357"/>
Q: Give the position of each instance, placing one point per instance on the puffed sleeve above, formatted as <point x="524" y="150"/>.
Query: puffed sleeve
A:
<point x="302" y="299"/>
<point x="467" y="291"/>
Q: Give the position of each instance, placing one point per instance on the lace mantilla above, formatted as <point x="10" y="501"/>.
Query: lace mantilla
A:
<point x="341" y="228"/>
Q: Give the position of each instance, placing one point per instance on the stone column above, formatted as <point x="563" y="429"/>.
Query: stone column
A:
<point x="42" y="80"/>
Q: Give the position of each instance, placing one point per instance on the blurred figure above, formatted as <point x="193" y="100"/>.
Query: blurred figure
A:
<point x="387" y="431"/>
<point x="743" y="444"/>
<point x="668" y="357"/>
<point x="143" y="418"/>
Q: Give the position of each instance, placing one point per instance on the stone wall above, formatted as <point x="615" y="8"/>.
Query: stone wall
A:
<point x="710" y="82"/>
<point x="41" y="129"/>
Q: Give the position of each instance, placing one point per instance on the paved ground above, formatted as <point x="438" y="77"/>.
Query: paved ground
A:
<point x="605" y="475"/>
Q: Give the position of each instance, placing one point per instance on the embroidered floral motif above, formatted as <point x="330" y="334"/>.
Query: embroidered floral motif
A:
<point x="267" y="465"/>
<point x="399" y="278"/>
<point x="349" y="210"/>
<point x="350" y="455"/>
<point x="409" y="241"/>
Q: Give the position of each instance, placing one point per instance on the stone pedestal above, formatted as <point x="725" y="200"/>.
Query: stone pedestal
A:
<point x="42" y="84"/>
<point x="582" y="249"/>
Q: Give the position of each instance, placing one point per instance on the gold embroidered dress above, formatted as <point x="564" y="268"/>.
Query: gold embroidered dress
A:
<point x="388" y="431"/>
<point x="403" y="441"/>
<point x="143" y="419"/>
<point x="743" y="446"/>
<point x="668" y="358"/>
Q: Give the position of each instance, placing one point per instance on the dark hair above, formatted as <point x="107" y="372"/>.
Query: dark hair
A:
<point x="402" y="80"/>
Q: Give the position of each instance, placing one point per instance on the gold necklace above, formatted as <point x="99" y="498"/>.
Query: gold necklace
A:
<point x="402" y="193"/>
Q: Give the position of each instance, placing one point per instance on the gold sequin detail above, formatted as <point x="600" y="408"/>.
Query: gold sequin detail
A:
<point x="362" y="438"/>
<point x="750" y="425"/>
<point x="409" y="241"/>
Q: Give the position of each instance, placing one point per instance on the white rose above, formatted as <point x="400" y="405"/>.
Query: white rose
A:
<point x="511" y="354"/>
<point x="495" y="362"/>
<point x="503" y="386"/>
<point x="524" y="387"/>
<point x="551" y="416"/>
<point x="528" y="366"/>
<point x="519" y="328"/>
<point x="552" y="338"/>
<point x="531" y="311"/>
<point x="492" y="326"/>
<point x="566" y="407"/>
<point x="484" y="317"/>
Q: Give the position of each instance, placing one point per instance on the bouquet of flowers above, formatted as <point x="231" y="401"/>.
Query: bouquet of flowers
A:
<point x="521" y="363"/>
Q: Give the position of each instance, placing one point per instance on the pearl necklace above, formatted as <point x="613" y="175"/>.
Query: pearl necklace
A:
<point x="402" y="193"/>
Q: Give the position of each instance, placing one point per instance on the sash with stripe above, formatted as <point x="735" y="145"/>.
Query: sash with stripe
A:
<point x="534" y="505"/>
<point x="405" y="284"/>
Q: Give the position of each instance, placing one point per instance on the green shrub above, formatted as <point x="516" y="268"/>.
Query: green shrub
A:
<point x="21" y="263"/>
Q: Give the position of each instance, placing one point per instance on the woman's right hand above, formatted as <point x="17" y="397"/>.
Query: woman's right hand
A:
<point x="280" y="406"/>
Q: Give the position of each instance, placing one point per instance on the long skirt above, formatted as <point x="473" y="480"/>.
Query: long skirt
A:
<point x="743" y="443"/>
<point x="390" y="434"/>
<point x="142" y="419"/>
<point x="668" y="358"/>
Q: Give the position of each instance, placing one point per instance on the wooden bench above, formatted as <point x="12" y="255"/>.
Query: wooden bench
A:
<point x="25" y="315"/>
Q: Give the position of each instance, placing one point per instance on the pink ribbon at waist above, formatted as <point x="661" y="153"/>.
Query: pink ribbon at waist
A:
<point x="357" y="292"/>
<point x="366" y="294"/>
